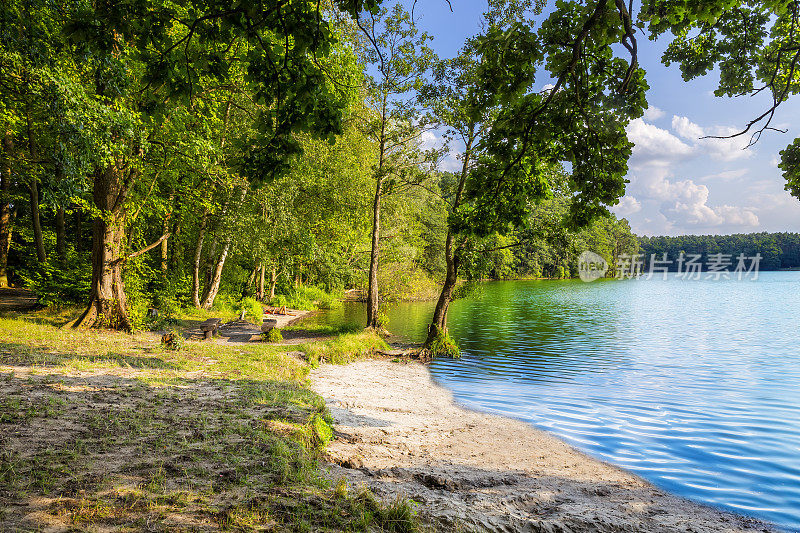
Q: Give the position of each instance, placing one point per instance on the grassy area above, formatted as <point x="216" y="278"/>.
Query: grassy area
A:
<point x="108" y="431"/>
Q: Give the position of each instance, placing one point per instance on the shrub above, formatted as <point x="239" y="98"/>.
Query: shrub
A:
<point x="273" y="335"/>
<point x="59" y="285"/>
<point x="253" y="309"/>
<point x="382" y="320"/>
<point x="308" y="298"/>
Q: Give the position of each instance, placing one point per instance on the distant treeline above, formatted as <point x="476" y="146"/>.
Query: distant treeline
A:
<point x="778" y="250"/>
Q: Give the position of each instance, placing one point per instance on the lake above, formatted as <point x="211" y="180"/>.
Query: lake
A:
<point x="694" y="385"/>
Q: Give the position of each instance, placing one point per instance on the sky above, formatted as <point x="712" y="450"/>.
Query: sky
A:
<point x="679" y="183"/>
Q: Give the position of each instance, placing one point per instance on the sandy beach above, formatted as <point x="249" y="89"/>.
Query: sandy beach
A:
<point x="402" y="435"/>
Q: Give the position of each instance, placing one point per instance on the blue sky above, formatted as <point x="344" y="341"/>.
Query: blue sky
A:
<point x="679" y="184"/>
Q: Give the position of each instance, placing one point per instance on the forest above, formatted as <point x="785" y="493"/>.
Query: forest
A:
<point x="175" y="155"/>
<point x="189" y="164"/>
<point x="172" y="172"/>
<point x="777" y="250"/>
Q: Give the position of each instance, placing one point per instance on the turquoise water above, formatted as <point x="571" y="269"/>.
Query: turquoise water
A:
<point x="694" y="385"/>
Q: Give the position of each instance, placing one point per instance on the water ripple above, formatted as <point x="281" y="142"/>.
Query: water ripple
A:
<point x="693" y="385"/>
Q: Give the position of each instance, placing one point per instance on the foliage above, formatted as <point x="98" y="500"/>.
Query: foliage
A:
<point x="273" y="335"/>
<point x="173" y="340"/>
<point x="345" y="348"/>
<point x="58" y="285"/>
<point x="777" y="250"/>
<point x="307" y="298"/>
<point x="253" y="309"/>
<point x="444" y="346"/>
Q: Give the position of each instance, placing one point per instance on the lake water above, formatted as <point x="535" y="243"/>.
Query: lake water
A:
<point x="694" y="385"/>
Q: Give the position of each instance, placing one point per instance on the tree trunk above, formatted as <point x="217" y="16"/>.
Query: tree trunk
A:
<point x="5" y="207"/>
<point x="33" y="189"/>
<point x="216" y="278"/>
<point x="251" y="281"/>
<point x="439" y="322"/>
<point x="165" y="230"/>
<point x="78" y="232"/>
<point x="61" y="235"/>
<point x="273" y="278"/>
<point x="372" y="293"/>
<point x="108" y="306"/>
<point x="215" y="270"/>
<point x="261" y="283"/>
<point x="176" y="256"/>
<point x="198" y="254"/>
<point x="452" y="259"/>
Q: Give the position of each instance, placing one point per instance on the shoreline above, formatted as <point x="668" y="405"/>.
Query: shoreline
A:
<point x="403" y="436"/>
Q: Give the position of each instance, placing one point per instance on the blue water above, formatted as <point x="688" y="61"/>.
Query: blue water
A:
<point x="694" y="385"/>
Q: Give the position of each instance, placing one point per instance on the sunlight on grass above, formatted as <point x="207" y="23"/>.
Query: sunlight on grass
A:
<point x="132" y="436"/>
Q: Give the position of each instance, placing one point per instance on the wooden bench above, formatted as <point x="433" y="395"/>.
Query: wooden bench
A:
<point x="268" y="325"/>
<point x="209" y="327"/>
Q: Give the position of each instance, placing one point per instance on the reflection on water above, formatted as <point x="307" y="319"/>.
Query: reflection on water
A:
<point x="692" y="384"/>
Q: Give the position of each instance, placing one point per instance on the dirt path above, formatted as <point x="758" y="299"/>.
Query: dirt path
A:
<point x="402" y="435"/>
<point x="16" y="300"/>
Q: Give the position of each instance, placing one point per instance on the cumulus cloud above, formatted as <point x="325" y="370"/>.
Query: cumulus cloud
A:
<point x="654" y="145"/>
<point x="661" y="199"/>
<point x="683" y="204"/>
<point x="627" y="206"/>
<point x="704" y="141"/>
<point x="429" y="140"/>
<point x="653" y="113"/>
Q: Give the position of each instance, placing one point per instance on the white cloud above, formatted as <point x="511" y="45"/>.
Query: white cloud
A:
<point x="653" y="113"/>
<point x="774" y="161"/>
<point x="627" y="206"/>
<point x="548" y="87"/>
<point x="704" y="141"/>
<point x="429" y="140"/>
<point x="681" y="206"/>
<point x="726" y="175"/>
<point x="451" y="162"/>
<point x="655" y="145"/>
<point x="686" y="128"/>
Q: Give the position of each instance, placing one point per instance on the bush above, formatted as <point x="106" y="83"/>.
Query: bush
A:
<point x="253" y="309"/>
<point x="308" y="298"/>
<point x="273" y="335"/>
<point x="59" y="285"/>
<point x="382" y="320"/>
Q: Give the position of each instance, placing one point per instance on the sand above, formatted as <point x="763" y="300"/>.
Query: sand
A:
<point x="402" y="435"/>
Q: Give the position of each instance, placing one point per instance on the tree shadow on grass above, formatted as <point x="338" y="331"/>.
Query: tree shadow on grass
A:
<point x="117" y="453"/>
<point x="15" y="354"/>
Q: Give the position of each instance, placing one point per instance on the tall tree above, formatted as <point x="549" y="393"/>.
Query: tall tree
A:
<point x="579" y="120"/>
<point x="399" y="54"/>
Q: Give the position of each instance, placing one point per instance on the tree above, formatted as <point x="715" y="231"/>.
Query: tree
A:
<point x="394" y="122"/>
<point x="145" y="59"/>
<point x="581" y="120"/>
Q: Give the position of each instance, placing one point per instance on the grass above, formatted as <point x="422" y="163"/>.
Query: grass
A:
<point x="344" y="349"/>
<point x="110" y="431"/>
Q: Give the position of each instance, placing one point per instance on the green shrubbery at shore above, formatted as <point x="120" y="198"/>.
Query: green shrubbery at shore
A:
<point x="130" y="433"/>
